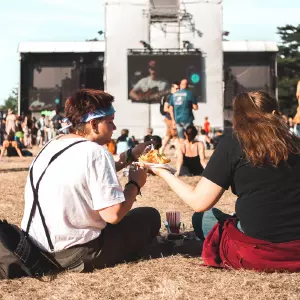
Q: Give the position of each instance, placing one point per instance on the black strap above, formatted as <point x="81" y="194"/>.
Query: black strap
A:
<point x="35" y="191"/>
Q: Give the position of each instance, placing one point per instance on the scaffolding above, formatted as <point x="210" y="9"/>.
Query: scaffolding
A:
<point x="171" y="16"/>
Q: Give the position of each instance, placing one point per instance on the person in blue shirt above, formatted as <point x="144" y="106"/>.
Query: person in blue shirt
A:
<point x="182" y="104"/>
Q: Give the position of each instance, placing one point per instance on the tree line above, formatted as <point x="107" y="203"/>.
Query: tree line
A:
<point x="288" y="69"/>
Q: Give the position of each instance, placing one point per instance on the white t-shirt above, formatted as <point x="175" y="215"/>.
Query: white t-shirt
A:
<point x="147" y="83"/>
<point x="79" y="182"/>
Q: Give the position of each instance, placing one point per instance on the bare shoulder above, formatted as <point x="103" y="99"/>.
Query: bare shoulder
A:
<point x="200" y="145"/>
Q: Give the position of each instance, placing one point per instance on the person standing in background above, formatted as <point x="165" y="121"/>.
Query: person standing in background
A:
<point x="56" y="121"/>
<point x="170" y="130"/>
<point x="206" y="125"/>
<point x="296" y="121"/>
<point x="206" y="128"/>
<point x="182" y="104"/>
<point x="2" y="131"/>
<point x="41" y="124"/>
<point x="10" y="124"/>
<point x="148" y="136"/>
<point x="27" y="127"/>
<point x="298" y="93"/>
<point x="124" y="142"/>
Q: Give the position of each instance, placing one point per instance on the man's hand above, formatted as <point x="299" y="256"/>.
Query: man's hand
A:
<point x="138" y="150"/>
<point x="174" y="124"/>
<point x="139" y="175"/>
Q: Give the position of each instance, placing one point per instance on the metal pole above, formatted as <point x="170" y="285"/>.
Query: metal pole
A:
<point x="19" y="85"/>
<point x="149" y="42"/>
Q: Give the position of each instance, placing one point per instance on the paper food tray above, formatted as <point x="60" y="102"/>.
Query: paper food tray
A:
<point x="163" y="166"/>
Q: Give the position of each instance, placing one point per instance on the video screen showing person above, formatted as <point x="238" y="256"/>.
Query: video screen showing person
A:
<point x="150" y="76"/>
<point x="50" y="87"/>
<point x="44" y="99"/>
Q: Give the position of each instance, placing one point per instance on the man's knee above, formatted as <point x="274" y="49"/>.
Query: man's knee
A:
<point x="148" y="216"/>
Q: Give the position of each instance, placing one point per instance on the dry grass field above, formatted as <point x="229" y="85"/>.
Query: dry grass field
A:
<point x="172" y="277"/>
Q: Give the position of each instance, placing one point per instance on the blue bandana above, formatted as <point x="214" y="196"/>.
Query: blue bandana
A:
<point x="98" y="113"/>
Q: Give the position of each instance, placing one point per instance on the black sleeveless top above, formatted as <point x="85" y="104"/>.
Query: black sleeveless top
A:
<point x="193" y="164"/>
<point x="11" y="151"/>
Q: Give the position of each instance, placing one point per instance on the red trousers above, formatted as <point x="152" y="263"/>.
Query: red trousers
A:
<point x="227" y="247"/>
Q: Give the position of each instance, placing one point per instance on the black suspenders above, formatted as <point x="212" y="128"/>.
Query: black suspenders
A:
<point x="35" y="191"/>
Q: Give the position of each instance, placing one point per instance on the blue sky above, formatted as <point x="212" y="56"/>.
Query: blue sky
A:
<point x="78" y="20"/>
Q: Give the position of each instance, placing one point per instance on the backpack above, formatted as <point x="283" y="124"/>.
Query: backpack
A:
<point x="163" y="100"/>
<point x="19" y="256"/>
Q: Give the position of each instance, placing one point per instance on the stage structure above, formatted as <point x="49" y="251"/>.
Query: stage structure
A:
<point x="148" y="45"/>
<point x="181" y="38"/>
<point x="50" y="72"/>
<point x="248" y="66"/>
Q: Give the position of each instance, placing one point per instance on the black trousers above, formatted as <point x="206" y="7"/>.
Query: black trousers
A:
<point x="117" y="243"/>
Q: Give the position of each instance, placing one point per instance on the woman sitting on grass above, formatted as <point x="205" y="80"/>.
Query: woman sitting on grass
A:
<point x="12" y="147"/>
<point x="87" y="213"/>
<point x="260" y="161"/>
<point x="190" y="155"/>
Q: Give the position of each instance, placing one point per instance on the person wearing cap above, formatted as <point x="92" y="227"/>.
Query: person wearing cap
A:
<point x="10" y="125"/>
<point x="87" y="212"/>
<point x="150" y="88"/>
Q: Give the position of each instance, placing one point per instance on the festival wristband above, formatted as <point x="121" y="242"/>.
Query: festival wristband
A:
<point x="136" y="184"/>
<point x="129" y="157"/>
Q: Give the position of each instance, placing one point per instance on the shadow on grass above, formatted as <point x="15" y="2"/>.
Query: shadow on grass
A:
<point x="161" y="247"/>
<point x="14" y="170"/>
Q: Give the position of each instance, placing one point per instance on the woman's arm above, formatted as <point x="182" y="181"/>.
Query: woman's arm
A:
<point x="201" y="151"/>
<point x="15" y="145"/>
<point x="179" y="160"/>
<point x="200" y="198"/>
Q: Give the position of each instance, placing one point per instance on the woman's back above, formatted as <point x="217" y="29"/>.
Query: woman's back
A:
<point x="191" y="158"/>
<point x="268" y="203"/>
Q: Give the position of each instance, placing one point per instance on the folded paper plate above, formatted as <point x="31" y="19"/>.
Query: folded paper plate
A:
<point x="162" y="166"/>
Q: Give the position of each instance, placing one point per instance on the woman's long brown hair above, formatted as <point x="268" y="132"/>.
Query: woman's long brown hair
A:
<point x="262" y="132"/>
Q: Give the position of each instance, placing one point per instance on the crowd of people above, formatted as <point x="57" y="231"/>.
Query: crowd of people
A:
<point x="20" y="133"/>
<point x="259" y="161"/>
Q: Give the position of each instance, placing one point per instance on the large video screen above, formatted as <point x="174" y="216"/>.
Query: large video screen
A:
<point x="150" y="76"/>
<point x="51" y="85"/>
<point x="239" y="79"/>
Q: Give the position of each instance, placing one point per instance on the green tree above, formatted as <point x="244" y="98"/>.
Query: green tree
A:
<point x="12" y="101"/>
<point x="288" y="67"/>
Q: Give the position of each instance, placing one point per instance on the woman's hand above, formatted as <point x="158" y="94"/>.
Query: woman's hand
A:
<point x="138" y="150"/>
<point x="157" y="171"/>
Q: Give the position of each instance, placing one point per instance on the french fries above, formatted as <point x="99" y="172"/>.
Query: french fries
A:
<point x="154" y="157"/>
